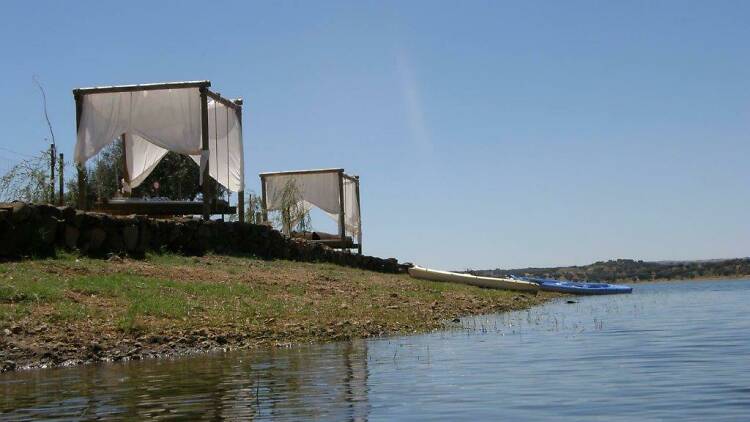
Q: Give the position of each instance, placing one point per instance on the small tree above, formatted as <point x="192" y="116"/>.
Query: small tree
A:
<point x="253" y="208"/>
<point x="294" y="213"/>
<point x="27" y="181"/>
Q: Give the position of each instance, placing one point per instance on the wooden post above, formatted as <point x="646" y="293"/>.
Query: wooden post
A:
<point x="359" y="212"/>
<point x="204" y="148"/>
<point x="61" y="168"/>
<point x="264" y="204"/>
<point x="342" y="226"/>
<point x="81" y="170"/>
<point x="125" y="173"/>
<point x="241" y="206"/>
<point x="240" y="194"/>
<point x="52" y="158"/>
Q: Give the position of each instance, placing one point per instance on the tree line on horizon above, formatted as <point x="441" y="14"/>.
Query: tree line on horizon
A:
<point x="632" y="270"/>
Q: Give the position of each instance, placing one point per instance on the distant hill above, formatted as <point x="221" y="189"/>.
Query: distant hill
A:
<point x="631" y="270"/>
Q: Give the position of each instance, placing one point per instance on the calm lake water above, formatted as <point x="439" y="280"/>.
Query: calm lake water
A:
<point x="669" y="351"/>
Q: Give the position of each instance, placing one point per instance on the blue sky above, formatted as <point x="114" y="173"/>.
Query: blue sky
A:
<point x="487" y="134"/>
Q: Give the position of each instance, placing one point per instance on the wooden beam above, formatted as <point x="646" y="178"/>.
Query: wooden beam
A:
<point x="359" y="212"/>
<point x="61" y="196"/>
<point x="342" y="224"/>
<point x="160" y="208"/>
<point x="241" y="206"/>
<point x="227" y="102"/>
<point x="264" y="203"/>
<point x="141" y="87"/>
<point x="80" y="169"/>
<point x="241" y="194"/>
<point x="204" y="147"/>
<point x="52" y="162"/>
<point x="125" y="173"/>
<point x="278" y="173"/>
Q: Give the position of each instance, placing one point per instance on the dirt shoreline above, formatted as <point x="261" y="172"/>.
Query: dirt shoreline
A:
<point x="71" y="311"/>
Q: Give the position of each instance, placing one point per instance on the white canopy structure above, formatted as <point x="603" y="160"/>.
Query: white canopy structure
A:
<point x="153" y="119"/>
<point x="331" y="190"/>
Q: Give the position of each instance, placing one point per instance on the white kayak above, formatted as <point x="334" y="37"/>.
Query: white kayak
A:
<point x="486" y="282"/>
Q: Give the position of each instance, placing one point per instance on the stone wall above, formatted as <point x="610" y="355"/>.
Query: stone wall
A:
<point x="38" y="230"/>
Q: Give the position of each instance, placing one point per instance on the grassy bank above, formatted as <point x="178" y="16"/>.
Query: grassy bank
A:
<point x="71" y="310"/>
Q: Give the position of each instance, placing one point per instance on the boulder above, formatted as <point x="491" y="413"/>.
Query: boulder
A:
<point x="97" y="235"/>
<point x="4" y="215"/>
<point x="47" y="231"/>
<point x="130" y="237"/>
<point x="68" y="214"/>
<point x="71" y="236"/>
<point x="20" y="212"/>
<point x="28" y="229"/>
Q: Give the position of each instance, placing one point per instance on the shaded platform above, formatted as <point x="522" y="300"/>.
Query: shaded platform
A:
<point x="160" y="208"/>
<point x="328" y="239"/>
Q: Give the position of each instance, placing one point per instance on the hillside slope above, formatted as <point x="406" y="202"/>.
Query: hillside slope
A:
<point x="631" y="270"/>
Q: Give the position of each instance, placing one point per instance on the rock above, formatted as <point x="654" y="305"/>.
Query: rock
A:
<point x="71" y="236"/>
<point x="78" y="218"/>
<point x="114" y="258"/>
<point x="95" y="347"/>
<point x="456" y="320"/>
<point x="130" y="237"/>
<point x="68" y="214"/>
<point x="8" y="365"/>
<point x="114" y="242"/>
<point x="21" y="211"/>
<point x="29" y="229"/>
<point x="156" y="339"/>
<point x="96" y="239"/>
<point x="571" y="301"/>
<point x="7" y="332"/>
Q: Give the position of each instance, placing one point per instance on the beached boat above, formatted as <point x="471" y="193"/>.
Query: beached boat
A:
<point x="486" y="282"/>
<point x="577" y="288"/>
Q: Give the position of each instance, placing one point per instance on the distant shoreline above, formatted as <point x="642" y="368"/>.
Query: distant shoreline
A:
<point x="741" y="277"/>
<point x="632" y="271"/>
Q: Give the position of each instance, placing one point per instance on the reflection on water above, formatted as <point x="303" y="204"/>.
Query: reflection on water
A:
<point x="670" y="351"/>
<point x="327" y="381"/>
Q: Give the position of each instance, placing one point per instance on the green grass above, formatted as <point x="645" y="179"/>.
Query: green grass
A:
<point x="26" y="287"/>
<point x="165" y="291"/>
<point x="66" y="311"/>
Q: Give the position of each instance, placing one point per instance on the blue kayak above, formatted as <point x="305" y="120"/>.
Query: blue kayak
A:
<point x="577" y="288"/>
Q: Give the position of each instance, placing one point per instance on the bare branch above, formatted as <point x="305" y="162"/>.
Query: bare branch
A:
<point x="44" y="103"/>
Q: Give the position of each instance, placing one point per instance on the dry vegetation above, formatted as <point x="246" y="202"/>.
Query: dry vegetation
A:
<point x="71" y="310"/>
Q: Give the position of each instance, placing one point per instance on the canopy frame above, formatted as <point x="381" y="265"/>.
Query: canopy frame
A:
<point x="205" y="93"/>
<point x="341" y="242"/>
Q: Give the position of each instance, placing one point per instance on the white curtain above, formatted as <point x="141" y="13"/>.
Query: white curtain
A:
<point x="320" y="190"/>
<point x="158" y="121"/>
<point x="141" y="157"/>
<point x="167" y="118"/>
<point x="226" y="158"/>
<point x="352" y="220"/>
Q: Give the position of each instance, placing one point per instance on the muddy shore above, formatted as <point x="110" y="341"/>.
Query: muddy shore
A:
<point x="73" y="310"/>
